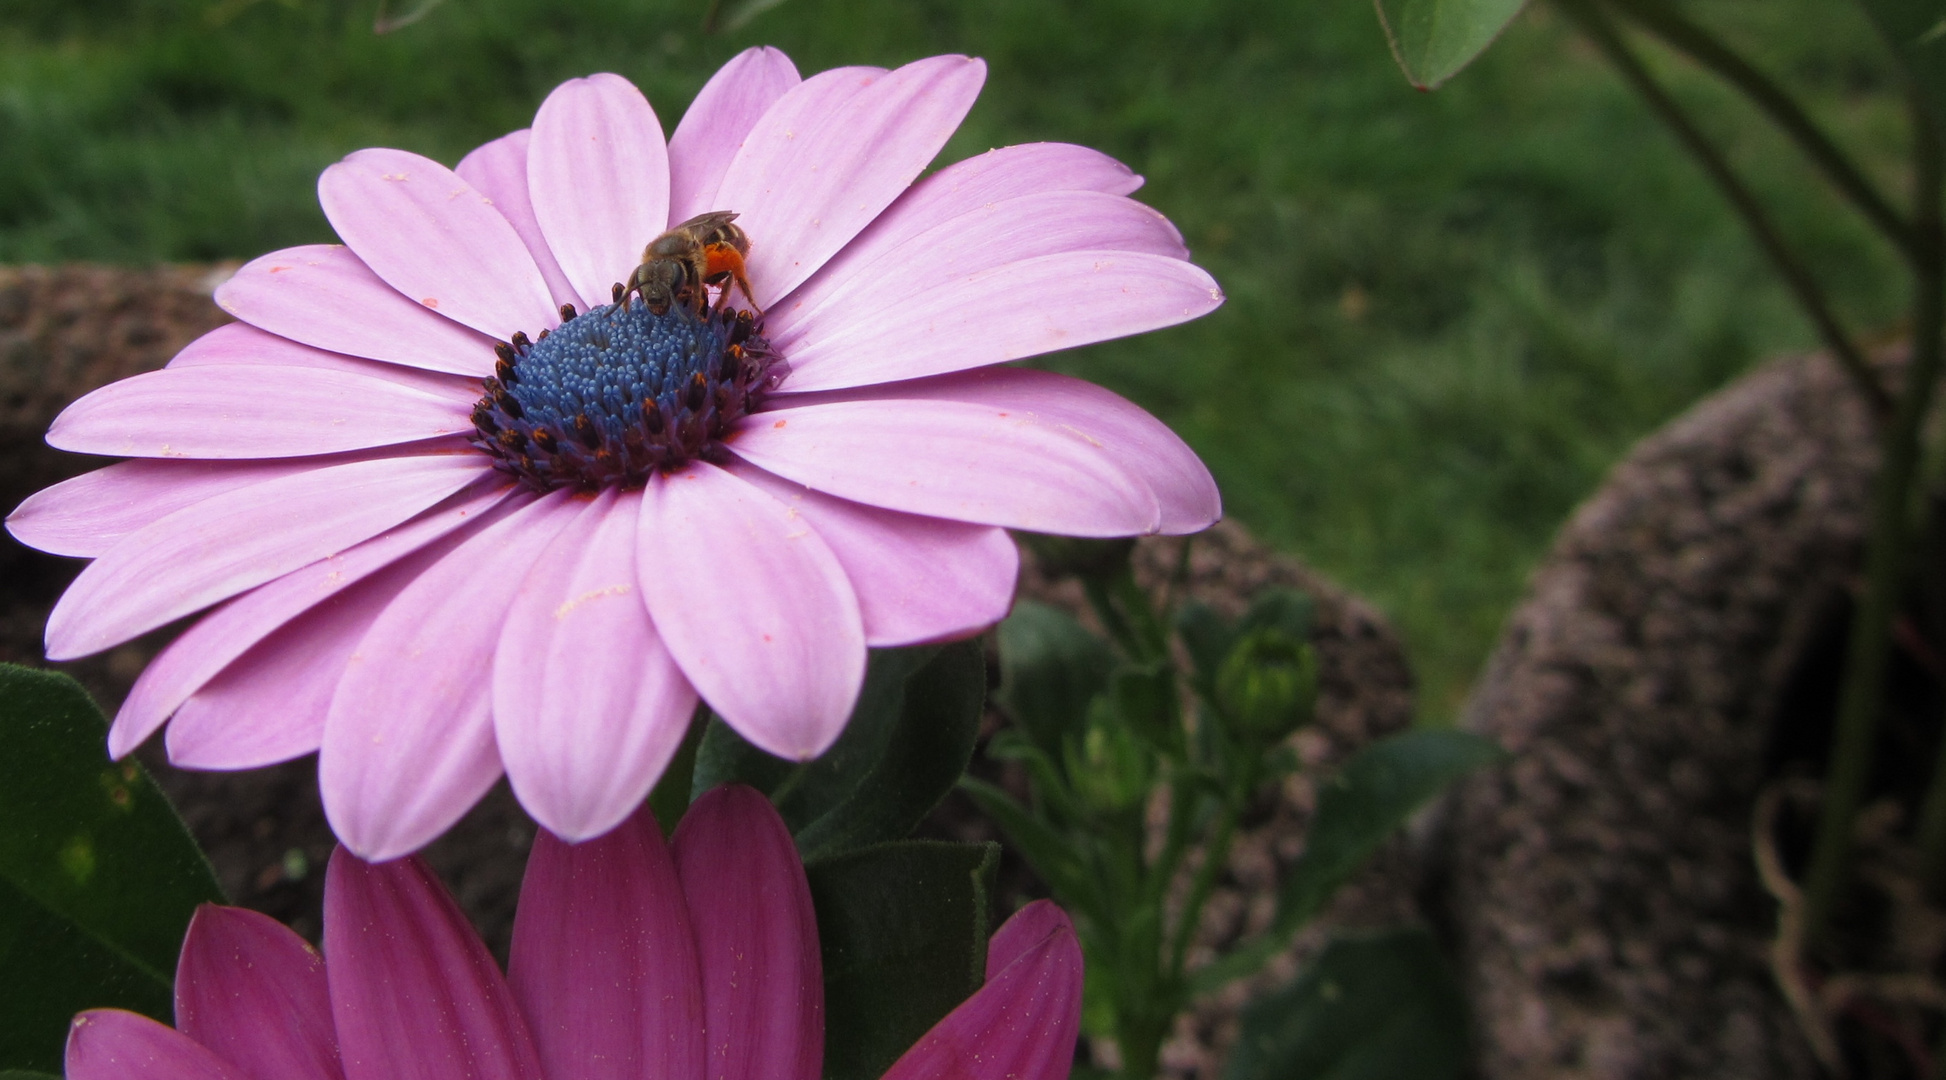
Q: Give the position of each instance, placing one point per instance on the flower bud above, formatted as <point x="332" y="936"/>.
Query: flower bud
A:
<point x="1113" y="769"/>
<point x="1268" y="686"/>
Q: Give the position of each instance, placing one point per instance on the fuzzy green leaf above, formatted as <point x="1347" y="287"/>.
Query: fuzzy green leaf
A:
<point x="98" y="877"/>
<point x="904" y="931"/>
<point x="1433" y="39"/>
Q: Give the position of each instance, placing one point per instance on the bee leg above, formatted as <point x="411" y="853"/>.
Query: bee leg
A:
<point x="727" y="260"/>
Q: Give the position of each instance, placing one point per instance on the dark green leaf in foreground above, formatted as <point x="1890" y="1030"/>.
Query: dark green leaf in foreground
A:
<point x="1433" y="39"/>
<point x="906" y="744"/>
<point x="1369" y="798"/>
<point x="1051" y="667"/>
<point x="25" y="1074"/>
<point x="1378" y="1007"/>
<point x="1916" y="32"/>
<point x="904" y="932"/>
<point x="1375" y="793"/>
<point x="99" y="876"/>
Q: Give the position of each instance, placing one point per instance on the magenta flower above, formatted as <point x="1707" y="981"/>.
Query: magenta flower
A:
<point x="631" y="961"/>
<point x="431" y="579"/>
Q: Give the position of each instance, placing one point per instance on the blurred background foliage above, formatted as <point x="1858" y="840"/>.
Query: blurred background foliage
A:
<point x="1449" y="313"/>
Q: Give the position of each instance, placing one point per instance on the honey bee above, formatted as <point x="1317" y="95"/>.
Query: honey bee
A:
<point x="705" y="250"/>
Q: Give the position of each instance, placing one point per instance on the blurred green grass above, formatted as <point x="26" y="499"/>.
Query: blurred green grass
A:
<point x="1449" y="313"/>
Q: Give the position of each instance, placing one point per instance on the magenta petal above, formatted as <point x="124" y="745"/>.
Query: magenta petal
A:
<point x="1138" y="442"/>
<point x="498" y="170"/>
<point x="240" y="343"/>
<point x="252" y="411"/>
<point x="221" y="546"/>
<point x="588" y="706"/>
<point x="1022" y="933"/>
<point x="408" y="745"/>
<point x="109" y="1044"/>
<point x="948" y="459"/>
<point x="1022" y="1025"/>
<point x="756" y="939"/>
<point x="713" y="129"/>
<point x="255" y="994"/>
<point x="89" y="514"/>
<point x="754" y="607"/>
<point x="918" y="579"/>
<point x="415" y="994"/>
<point x="829" y="155"/>
<point x="323" y="295"/>
<point x="1079" y="297"/>
<point x="232" y="632"/>
<point x="598" y="172"/>
<point x="604" y="962"/>
<point x="435" y="239"/>
<point x="887" y="275"/>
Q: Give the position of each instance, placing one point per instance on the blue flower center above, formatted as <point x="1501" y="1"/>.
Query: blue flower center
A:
<point x="612" y="395"/>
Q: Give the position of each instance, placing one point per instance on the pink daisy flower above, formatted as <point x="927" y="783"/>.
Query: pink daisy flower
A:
<point x="630" y="961"/>
<point x="459" y="513"/>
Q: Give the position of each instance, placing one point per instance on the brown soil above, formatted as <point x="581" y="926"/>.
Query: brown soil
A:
<point x="67" y="330"/>
<point x="1603" y="891"/>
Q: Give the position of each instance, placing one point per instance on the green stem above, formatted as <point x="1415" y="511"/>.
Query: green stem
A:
<point x="1139" y="1036"/>
<point x="1862" y="700"/>
<point x="1216" y="855"/>
<point x="1669" y="24"/>
<point x="1931" y="834"/>
<point x="1810" y="296"/>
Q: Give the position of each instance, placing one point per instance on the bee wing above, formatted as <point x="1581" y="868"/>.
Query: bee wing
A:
<point x="712" y="220"/>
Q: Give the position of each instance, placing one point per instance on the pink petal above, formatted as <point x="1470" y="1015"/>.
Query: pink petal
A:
<point x="1138" y="442"/>
<point x="323" y="295"/>
<point x="241" y="343"/>
<point x="829" y="155"/>
<point x="588" y="706"/>
<point x="887" y="275"/>
<point x="498" y="170"/>
<point x="961" y="188"/>
<point x="109" y="1044"/>
<point x="221" y="546"/>
<point x="948" y="459"/>
<point x="224" y="635"/>
<point x="415" y="994"/>
<point x="604" y="962"/>
<point x="713" y="129"/>
<point x="408" y="745"/>
<point x="252" y="411"/>
<point x="87" y="515"/>
<point x="754" y="607"/>
<point x="756" y="939"/>
<point x="1021" y="309"/>
<point x="1022" y="1025"/>
<point x="432" y="237"/>
<point x="254" y="993"/>
<point x="599" y="175"/>
<point x="918" y="579"/>
<point x="271" y="704"/>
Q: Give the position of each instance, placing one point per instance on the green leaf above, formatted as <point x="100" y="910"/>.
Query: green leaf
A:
<point x="1377" y="1007"/>
<point x="1916" y="31"/>
<point x="1051" y="667"/>
<point x="1433" y="39"/>
<point x="1371" y="796"/>
<point x="905" y="745"/>
<point x="904" y="932"/>
<point x="26" y="1074"/>
<point x="1376" y="792"/>
<point x="1050" y="855"/>
<point x="99" y="876"/>
<point x="922" y="755"/>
